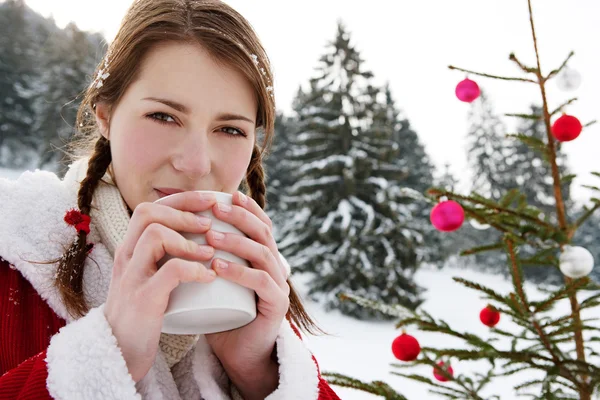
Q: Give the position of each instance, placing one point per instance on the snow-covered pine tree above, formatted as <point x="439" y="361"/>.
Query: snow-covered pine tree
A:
<point x="486" y="146"/>
<point x="486" y="141"/>
<point x="277" y="177"/>
<point x="342" y="224"/>
<point x="68" y="62"/>
<point x="16" y="72"/>
<point x="411" y="174"/>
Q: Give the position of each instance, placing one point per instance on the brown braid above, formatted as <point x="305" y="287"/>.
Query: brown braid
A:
<point x="255" y="179"/>
<point x="69" y="278"/>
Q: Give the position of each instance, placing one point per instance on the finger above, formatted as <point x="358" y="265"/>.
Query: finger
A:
<point x="247" y="222"/>
<point x="158" y="241"/>
<point x="251" y="205"/>
<point x="175" y="212"/>
<point x="251" y="225"/>
<point x="258" y="254"/>
<point x="170" y="275"/>
<point x="275" y="296"/>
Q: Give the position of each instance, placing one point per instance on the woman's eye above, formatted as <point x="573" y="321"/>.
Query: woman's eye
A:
<point x="161" y="118"/>
<point x="234" y="131"/>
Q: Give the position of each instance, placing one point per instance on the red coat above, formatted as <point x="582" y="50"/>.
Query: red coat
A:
<point x="44" y="354"/>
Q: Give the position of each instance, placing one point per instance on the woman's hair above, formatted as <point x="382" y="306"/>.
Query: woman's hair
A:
<point x="231" y="41"/>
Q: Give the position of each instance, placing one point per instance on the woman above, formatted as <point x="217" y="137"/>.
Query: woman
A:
<point x="177" y="105"/>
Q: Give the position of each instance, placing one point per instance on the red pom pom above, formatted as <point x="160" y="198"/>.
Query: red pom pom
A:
<point x="73" y="217"/>
<point x="406" y="347"/>
<point x="447" y="216"/>
<point x="80" y="221"/>
<point x="566" y="128"/>
<point x="489" y="316"/>
<point x="437" y="371"/>
<point x="467" y="90"/>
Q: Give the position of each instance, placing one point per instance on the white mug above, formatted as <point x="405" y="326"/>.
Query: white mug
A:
<point x="221" y="305"/>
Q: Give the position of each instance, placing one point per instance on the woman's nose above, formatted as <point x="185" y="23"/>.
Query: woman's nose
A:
<point x="193" y="158"/>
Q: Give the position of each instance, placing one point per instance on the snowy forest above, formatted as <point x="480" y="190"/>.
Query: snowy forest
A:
<point x="346" y="175"/>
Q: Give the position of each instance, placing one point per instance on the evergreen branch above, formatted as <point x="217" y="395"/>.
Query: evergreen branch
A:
<point x="532" y="142"/>
<point x="376" y="387"/>
<point x="567" y="179"/>
<point x="562" y="293"/>
<point x="422" y="379"/>
<point x="525" y="116"/>
<point x="505" y="78"/>
<point x="559" y="108"/>
<point x="594" y="188"/>
<point x="513" y="371"/>
<point x="473" y="285"/>
<point x="517" y="274"/>
<point x="592" y="122"/>
<point x="497" y="208"/>
<point x="590" y="300"/>
<point x="555" y="322"/>
<point x="529" y="70"/>
<point x="481" y="249"/>
<point x="394" y="310"/>
<point x="557" y="70"/>
<point x="555" y="353"/>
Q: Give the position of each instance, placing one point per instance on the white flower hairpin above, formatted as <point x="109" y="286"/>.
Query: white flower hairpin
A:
<point x="102" y="73"/>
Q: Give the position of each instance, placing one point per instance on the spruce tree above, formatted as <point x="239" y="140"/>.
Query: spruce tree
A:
<point x="69" y="60"/>
<point x="16" y="73"/>
<point x="347" y="224"/>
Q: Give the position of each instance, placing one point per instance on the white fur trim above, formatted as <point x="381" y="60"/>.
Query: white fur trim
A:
<point x="85" y="362"/>
<point x="209" y="373"/>
<point x="158" y="384"/>
<point x="298" y="376"/>
<point x="32" y="230"/>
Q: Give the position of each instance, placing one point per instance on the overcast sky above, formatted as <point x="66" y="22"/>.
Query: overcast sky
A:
<point x="410" y="43"/>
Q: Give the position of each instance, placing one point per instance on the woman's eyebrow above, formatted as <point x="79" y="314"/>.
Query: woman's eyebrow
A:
<point x="184" y="109"/>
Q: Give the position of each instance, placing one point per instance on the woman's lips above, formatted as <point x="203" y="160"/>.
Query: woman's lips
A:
<point x="163" y="192"/>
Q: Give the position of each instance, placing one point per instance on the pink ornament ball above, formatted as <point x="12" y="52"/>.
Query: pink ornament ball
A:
<point x="467" y="90"/>
<point x="447" y="216"/>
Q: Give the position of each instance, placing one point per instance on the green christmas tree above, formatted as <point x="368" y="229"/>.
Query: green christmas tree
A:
<point x="552" y="353"/>
<point x="344" y="220"/>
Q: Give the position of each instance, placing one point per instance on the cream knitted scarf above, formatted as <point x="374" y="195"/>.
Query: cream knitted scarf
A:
<point x="110" y="216"/>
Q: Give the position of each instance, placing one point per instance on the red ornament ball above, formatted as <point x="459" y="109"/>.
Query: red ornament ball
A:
<point x="566" y="128"/>
<point x="467" y="90"/>
<point x="437" y="372"/>
<point x="447" y="216"/>
<point x="489" y="316"/>
<point x="406" y="347"/>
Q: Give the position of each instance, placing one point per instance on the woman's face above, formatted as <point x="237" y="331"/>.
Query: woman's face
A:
<point x="186" y="123"/>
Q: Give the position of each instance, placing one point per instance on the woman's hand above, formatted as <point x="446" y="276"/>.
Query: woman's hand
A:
<point x="246" y="351"/>
<point x="139" y="291"/>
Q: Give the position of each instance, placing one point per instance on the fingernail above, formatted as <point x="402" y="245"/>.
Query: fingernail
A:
<point x="218" y="235"/>
<point x="243" y="198"/>
<point x="206" y="250"/>
<point x="221" y="264"/>
<point x="212" y="272"/>
<point x="203" y="221"/>
<point x="224" y="207"/>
